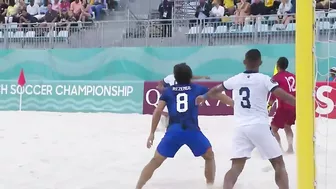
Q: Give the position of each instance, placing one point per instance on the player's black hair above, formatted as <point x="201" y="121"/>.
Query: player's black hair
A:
<point x="253" y="55"/>
<point x="253" y="58"/>
<point x="182" y="73"/>
<point x="282" y="63"/>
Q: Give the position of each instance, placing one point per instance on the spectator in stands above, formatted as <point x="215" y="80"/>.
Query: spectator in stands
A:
<point x="322" y="4"/>
<point x="98" y="7"/>
<point x="284" y="14"/>
<point x="243" y="10"/>
<point x="229" y="5"/>
<point x="217" y="12"/>
<point x="67" y="19"/>
<point x="165" y="10"/>
<point x="64" y="6"/>
<point x="44" y="7"/>
<point x="26" y="18"/>
<point x="85" y="12"/>
<point x="257" y="11"/>
<point x="33" y="9"/>
<point x="51" y="16"/>
<point x="293" y="10"/>
<point x="76" y="8"/>
<point x="271" y="6"/>
<point x="12" y="9"/>
<point x="203" y="10"/>
<point x="56" y="6"/>
<point x="3" y="11"/>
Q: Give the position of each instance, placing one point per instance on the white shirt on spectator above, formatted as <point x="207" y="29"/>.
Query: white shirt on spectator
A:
<point x="283" y="8"/>
<point x="33" y="10"/>
<point x="217" y="12"/>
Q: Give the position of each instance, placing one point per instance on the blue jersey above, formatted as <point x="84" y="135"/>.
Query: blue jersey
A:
<point x="180" y="101"/>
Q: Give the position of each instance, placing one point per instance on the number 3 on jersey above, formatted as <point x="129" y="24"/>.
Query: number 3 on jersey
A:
<point x="244" y="92"/>
<point x="181" y="102"/>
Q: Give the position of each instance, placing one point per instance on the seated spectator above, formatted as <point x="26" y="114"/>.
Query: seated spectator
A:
<point x="203" y="10"/>
<point x="229" y="5"/>
<point x="271" y="6"/>
<point x="85" y="12"/>
<point x="76" y="8"/>
<point x="64" y="6"/>
<point x="217" y="12"/>
<point x="44" y="7"/>
<point x="3" y="11"/>
<point x="12" y="9"/>
<point x="322" y="4"/>
<point x="33" y="9"/>
<point x="97" y="7"/>
<point x="293" y="10"/>
<point x="243" y="10"/>
<point x="56" y="6"/>
<point x="67" y="19"/>
<point x="51" y="16"/>
<point x="284" y="12"/>
<point x="257" y="10"/>
<point x="26" y="18"/>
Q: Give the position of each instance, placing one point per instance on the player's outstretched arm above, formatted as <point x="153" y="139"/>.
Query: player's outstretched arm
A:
<point x="224" y="99"/>
<point x="283" y="95"/>
<point x="212" y="93"/>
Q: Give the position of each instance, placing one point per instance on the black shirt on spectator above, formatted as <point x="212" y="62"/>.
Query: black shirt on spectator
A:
<point x="50" y="16"/>
<point x="257" y="9"/>
<point x="3" y="7"/>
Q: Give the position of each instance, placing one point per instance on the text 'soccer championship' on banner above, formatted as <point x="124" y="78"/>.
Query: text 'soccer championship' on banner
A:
<point x="83" y="96"/>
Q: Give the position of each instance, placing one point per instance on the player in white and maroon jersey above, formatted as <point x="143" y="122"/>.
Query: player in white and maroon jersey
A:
<point x="250" y="92"/>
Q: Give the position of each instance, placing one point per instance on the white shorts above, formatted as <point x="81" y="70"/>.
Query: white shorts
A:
<point x="246" y="138"/>
<point x="165" y="109"/>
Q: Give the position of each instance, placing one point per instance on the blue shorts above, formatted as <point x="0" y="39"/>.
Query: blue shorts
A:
<point x="176" y="137"/>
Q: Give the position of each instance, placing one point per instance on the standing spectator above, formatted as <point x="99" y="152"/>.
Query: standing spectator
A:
<point x="64" y="6"/>
<point x="97" y="7"/>
<point x="217" y="12"/>
<point x="243" y="10"/>
<point x="229" y="6"/>
<point x="33" y="9"/>
<point x="165" y="10"/>
<point x="85" y="12"/>
<point x="284" y="12"/>
<point x="76" y="7"/>
<point x="3" y="11"/>
<point x="56" y="6"/>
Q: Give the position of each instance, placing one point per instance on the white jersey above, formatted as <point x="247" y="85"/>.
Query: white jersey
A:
<point x="169" y="80"/>
<point x="250" y="93"/>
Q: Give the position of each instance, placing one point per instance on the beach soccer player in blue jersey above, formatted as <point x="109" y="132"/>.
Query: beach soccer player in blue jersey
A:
<point x="183" y="126"/>
<point x="169" y="80"/>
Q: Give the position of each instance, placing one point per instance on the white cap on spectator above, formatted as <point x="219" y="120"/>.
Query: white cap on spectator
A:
<point x="333" y="69"/>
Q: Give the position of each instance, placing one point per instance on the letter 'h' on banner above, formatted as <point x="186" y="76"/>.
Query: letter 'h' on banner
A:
<point x="21" y="83"/>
